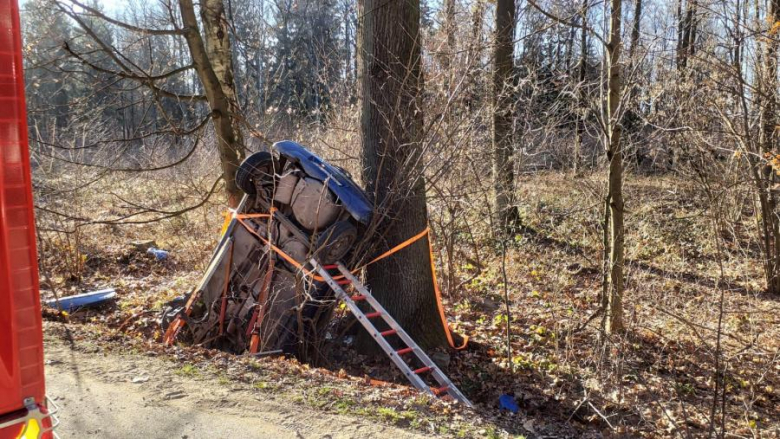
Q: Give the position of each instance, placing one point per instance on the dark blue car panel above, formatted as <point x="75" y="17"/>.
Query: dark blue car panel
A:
<point x="350" y="194"/>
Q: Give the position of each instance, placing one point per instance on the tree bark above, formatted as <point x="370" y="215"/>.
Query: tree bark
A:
<point x="632" y="113"/>
<point x="347" y="46"/>
<point x="680" y="27"/>
<point x="579" y="129"/>
<point x="635" y="31"/>
<point x="688" y="34"/>
<point x="391" y="133"/>
<point x="737" y="61"/>
<point x="450" y="26"/>
<point x="212" y="58"/>
<point x="570" y="49"/>
<point x="614" y="311"/>
<point x="450" y="123"/>
<point x="768" y="142"/>
<point x="507" y="213"/>
<point x="473" y="83"/>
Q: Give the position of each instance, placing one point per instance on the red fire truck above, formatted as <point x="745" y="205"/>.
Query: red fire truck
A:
<point x="24" y="410"/>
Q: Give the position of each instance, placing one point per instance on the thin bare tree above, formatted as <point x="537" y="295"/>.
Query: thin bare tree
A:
<point x="507" y="214"/>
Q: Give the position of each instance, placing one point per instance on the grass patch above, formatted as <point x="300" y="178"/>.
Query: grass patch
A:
<point x="188" y="370"/>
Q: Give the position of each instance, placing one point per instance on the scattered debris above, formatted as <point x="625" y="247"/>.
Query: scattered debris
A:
<point x="92" y="298"/>
<point x="268" y="353"/>
<point x="529" y="426"/>
<point x="177" y="394"/>
<point x="160" y="255"/>
<point x="442" y="359"/>
<point x="143" y="246"/>
<point x="507" y="402"/>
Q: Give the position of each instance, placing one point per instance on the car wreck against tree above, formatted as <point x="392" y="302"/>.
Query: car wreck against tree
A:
<point x="256" y="295"/>
<point x="279" y="268"/>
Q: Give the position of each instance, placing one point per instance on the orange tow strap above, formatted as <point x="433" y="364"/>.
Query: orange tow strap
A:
<point x="438" y="300"/>
<point x="240" y="218"/>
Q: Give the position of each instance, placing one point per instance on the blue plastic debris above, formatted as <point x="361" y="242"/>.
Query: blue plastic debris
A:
<point x="87" y="299"/>
<point x="158" y="254"/>
<point x="507" y="402"/>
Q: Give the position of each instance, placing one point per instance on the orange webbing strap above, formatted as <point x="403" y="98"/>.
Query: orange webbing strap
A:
<point x="254" y="343"/>
<point x="259" y="315"/>
<point x="230" y="214"/>
<point x="401" y="246"/>
<point x="288" y="258"/>
<point x="438" y="301"/>
<point x="178" y="322"/>
<point x="279" y="251"/>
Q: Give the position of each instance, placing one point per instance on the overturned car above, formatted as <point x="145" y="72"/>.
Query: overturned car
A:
<point x="268" y="287"/>
<point x="255" y="295"/>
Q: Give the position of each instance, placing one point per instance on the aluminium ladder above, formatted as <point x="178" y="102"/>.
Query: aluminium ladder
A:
<point x="446" y="387"/>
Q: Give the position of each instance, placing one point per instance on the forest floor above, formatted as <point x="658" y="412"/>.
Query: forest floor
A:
<point x="697" y="322"/>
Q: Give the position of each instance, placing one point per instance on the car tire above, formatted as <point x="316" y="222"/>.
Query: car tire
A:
<point x="256" y="169"/>
<point x="335" y="242"/>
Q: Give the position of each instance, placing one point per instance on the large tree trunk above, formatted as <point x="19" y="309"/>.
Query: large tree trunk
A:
<point x="213" y="63"/>
<point x="503" y="161"/>
<point x="614" y="299"/>
<point x="391" y="127"/>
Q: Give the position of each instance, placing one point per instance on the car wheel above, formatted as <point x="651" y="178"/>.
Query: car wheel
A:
<point x="255" y="170"/>
<point x="335" y="242"/>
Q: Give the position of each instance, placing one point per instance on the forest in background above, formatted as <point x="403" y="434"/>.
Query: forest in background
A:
<point x="600" y="178"/>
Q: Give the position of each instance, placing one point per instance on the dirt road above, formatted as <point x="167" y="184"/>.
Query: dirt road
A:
<point x="135" y="396"/>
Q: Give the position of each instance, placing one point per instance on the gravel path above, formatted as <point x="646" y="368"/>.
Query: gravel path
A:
<point x="135" y="396"/>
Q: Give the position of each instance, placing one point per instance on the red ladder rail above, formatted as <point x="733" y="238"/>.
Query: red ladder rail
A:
<point x="21" y="335"/>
